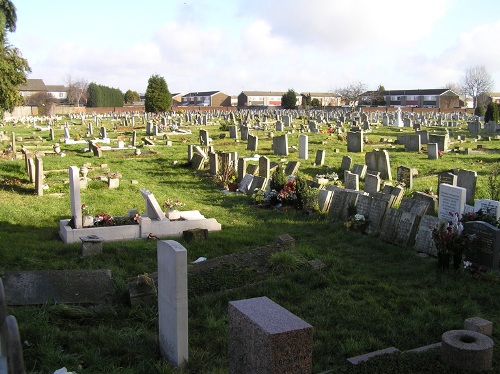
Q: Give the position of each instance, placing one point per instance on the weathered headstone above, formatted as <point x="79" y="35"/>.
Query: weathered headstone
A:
<point x="372" y="183"/>
<point x="467" y="179"/>
<point x="378" y="160"/>
<point x="405" y="176"/>
<point x="346" y="163"/>
<point x="280" y="145"/>
<point x="432" y="151"/>
<point x="38" y="176"/>
<point x="320" y="157"/>
<point x="491" y="207"/>
<point x="245" y="184"/>
<point x="360" y="170"/>
<point x="292" y="167"/>
<point x="266" y="338"/>
<point x="424" y="241"/>
<point x="351" y="181"/>
<point x="264" y="167"/>
<point x="324" y="200"/>
<point x="253" y="142"/>
<point x="355" y="141"/>
<point x="172" y="301"/>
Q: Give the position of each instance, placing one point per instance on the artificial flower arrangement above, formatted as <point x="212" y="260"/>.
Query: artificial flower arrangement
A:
<point x="102" y="219"/>
<point x="356" y="222"/>
<point x="173" y="204"/>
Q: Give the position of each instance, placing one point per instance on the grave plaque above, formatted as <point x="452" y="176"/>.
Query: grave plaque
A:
<point x="485" y="249"/>
<point x="467" y="179"/>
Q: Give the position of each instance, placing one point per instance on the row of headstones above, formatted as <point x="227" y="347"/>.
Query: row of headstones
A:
<point x="263" y="336"/>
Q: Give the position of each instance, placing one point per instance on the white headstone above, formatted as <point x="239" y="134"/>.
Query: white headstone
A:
<point x="303" y="146"/>
<point x="491" y="207"/>
<point x="451" y="200"/>
<point x="74" y="196"/>
<point x="172" y="301"/>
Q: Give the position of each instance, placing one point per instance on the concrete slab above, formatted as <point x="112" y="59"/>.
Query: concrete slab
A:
<point x="58" y="286"/>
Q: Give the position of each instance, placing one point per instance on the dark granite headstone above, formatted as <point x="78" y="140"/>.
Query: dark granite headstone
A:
<point x="405" y="176"/>
<point x="485" y="249"/>
<point x="266" y="338"/>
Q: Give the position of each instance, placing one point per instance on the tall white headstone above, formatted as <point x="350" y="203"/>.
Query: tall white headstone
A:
<point x="303" y="146"/>
<point x="173" y="301"/>
<point x="451" y="201"/>
<point x="74" y="196"/>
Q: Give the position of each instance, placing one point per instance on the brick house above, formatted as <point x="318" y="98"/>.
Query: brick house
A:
<point x="207" y="98"/>
<point x="426" y="98"/>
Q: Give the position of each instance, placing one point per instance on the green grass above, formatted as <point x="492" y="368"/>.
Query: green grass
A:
<point x="370" y="296"/>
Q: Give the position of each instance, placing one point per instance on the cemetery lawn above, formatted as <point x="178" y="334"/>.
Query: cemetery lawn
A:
<point x="369" y="296"/>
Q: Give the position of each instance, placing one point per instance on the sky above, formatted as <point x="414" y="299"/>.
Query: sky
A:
<point x="258" y="45"/>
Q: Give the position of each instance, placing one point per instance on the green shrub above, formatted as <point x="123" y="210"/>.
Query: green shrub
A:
<point x="491" y="113"/>
<point x="278" y="178"/>
<point x="479" y="111"/>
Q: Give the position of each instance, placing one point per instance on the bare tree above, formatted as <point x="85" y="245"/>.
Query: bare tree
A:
<point x="77" y="89"/>
<point x="350" y="94"/>
<point x="475" y="82"/>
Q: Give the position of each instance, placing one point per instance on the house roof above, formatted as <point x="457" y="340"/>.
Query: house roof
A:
<point x="320" y="94"/>
<point x="33" y="85"/>
<point x="205" y="93"/>
<point x="56" y="88"/>
<point x="262" y="93"/>
<point x="431" y="91"/>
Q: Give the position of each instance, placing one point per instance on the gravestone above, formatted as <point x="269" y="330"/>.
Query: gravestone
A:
<point x="424" y="136"/>
<point x="245" y="184"/>
<point x="279" y="126"/>
<point x="266" y="338"/>
<point x="74" y="196"/>
<point x="320" y="157"/>
<point x="264" y="167"/>
<point x="448" y="178"/>
<point x="292" y="167"/>
<point x="172" y="301"/>
<point x="39" y="176"/>
<point x="253" y="142"/>
<point x="413" y="144"/>
<point x="372" y="183"/>
<point x="280" y="145"/>
<point x="484" y="250"/>
<point x="241" y="168"/>
<point x="396" y="191"/>
<point x="424" y="241"/>
<point x="491" y="207"/>
<point x="31" y="168"/>
<point x="467" y="179"/>
<point x="341" y="201"/>
<point x="153" y="209"/>
<point x="324" y="200"/>
<point x="213" y="161"/>
<point x="431" y="199"/>
<point x="351" y="181"/>
<point x="432" y="151"/>
<point x="346" y="163"/>
<point x="355" y="141"/>
<point x="374" y="210"/>
<point x="303" y="147"/>
<point x="378" y="161"/>
<point x="441" y="140"/>
<point x="244" y="133"/>
<point x="405" y="176"/>
<point x="258" y="183"/>
<point x="204" y="138"/>
<point x="233" y="132"/>
<point x="451" y="200"/>
<point x="360" y="170"/>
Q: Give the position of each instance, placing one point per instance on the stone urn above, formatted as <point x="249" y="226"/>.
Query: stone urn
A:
<point x="84" y="172"/>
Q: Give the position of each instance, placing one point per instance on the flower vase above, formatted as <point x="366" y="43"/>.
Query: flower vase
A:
<point x="87" y="221"/>
<point x="443" y="260"/>
<point x="232" y="187"/>
<point x="173" y="214"/>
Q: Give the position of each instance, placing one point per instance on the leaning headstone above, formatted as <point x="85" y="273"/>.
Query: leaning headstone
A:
<point x="431" y="199"/>
<point x="153" y="209"/>
<point x="484" y="250"/>
<point x="374" y="210"/>
<point x="292" y="167"/>
<point x="320" y="157"/>
<point x="424" y="241"/>
<point x="198" y="162"/>
<point x="451" y="200"/>
<point x="172" y="301"/>
<point x="258" y="183"/>
<point x="324" y="200"/>
<point x="266" y="338"/>
<point x="31" y="168"/>
<point x="245" y="184"/>
<point x="360" y="170"/>
<point x="467" y="179"/>
<point x="74" y="196"/>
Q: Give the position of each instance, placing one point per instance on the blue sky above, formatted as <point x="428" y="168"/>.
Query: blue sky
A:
<point x="271" y="45"/>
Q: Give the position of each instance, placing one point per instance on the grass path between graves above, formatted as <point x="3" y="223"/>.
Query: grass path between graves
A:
<point x="369" y="296"/>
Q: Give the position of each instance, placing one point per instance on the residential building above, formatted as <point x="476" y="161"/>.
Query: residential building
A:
<point x="262" y="98"/>
<point x="207" y="98"/>
<point x="324" y="98"/>
<point x="176" y="99"/>
<point x="34" y="86"/>
<point x="419" y="98"/>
